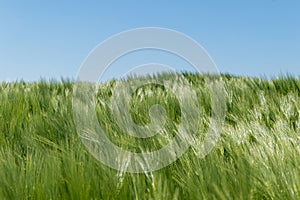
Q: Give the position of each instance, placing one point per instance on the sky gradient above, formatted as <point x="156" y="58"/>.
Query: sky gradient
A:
<point x="52" y="39"/>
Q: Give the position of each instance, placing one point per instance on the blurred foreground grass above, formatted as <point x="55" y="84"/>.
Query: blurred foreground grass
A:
<point x="257" y="157"/>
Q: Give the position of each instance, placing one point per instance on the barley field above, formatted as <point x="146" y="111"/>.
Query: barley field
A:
<point x="257" y="156"/>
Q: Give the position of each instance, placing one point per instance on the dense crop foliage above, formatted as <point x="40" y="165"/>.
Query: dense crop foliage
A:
<point x="257" y="157"/>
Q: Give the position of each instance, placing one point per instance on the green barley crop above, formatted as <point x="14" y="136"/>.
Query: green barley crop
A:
<point x="257" y="157"/>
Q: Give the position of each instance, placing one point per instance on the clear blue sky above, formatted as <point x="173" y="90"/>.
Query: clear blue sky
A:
<point x="51" y="39"/>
